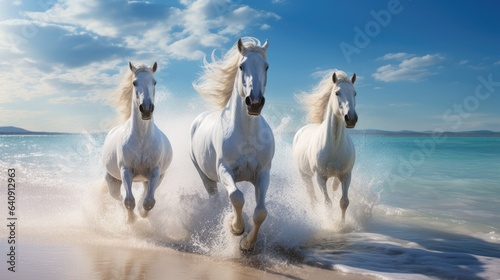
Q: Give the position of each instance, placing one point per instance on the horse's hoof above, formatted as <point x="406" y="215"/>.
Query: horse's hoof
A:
<point x="149" y="204"/>
<point x="229" y="221"/>
<point x="245" y="247"/>
<point x="234" y="232"/>
<point x="129" y="204"/>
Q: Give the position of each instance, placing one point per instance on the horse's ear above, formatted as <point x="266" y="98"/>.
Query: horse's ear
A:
<point x="353" y="78"/>
<point x="132" y="67"/>
<point x="241" y="48"/>
<point x="266" y="44"/>
<point x="156" y="66"/>
<point x="334" y="77"/>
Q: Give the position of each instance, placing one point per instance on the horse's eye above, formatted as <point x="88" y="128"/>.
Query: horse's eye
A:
<point x="154" y="83"/>
<point x="135" y="83"/>
<point x="337" y="93"/>
<point x="267" y="67"/>
<point x="241" y="67"/>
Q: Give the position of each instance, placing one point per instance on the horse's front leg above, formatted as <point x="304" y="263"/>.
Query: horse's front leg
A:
<point x="129" y="201"/>
<point x="150" y="186"/>
<point x="321" y="182"/>
<point x="247" y="243"/>
<point x="226" y="177"/>
<point x="344" y="200"/>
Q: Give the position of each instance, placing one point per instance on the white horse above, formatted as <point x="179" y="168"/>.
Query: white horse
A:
<point x="136" y="151"/>
<point x="323" y="149"/>
<point x="234" y="143"/>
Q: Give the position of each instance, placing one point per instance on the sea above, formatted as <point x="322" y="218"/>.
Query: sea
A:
<point x="421" y="206"/>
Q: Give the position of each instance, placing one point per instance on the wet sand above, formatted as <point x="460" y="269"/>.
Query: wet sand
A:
<point x="82" y="261"/>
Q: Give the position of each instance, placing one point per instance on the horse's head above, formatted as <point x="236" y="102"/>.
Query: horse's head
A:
<point x="144" y="89"/>
<point x="252" y="74"/>
<point x="345" y="99"/>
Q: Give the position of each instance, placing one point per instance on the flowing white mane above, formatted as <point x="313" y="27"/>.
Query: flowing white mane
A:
<point x="217" y="82"/>
<point x="317" y="100"/>
<point x="124" y="100"/>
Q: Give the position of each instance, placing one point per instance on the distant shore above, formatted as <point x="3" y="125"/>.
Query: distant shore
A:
<point x="11" y="130"/>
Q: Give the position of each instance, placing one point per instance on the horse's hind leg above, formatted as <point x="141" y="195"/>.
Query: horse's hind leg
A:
<point x="210" y="185"/>
<point x="344" y="200"/>
<point x="114" y="187"/>
<point x="310" y="189"/>
<point x="335" y="183"/>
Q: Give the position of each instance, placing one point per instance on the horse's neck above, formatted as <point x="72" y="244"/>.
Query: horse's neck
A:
<point x="333" y="128"/>
<point x="139" y="126"/>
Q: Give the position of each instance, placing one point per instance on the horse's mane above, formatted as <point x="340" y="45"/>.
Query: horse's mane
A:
<point x="124" y="101"/>
<point x="217" y="82"/>
<point x="317" y="100"/>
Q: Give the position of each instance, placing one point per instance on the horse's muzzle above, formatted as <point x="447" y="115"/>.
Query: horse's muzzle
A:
<point x="351" y="120"/>
<point x="254" y="106"/>
<point x="146" y="113"/>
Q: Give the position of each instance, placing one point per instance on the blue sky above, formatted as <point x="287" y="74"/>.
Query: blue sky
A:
<point x="421" y="65"/>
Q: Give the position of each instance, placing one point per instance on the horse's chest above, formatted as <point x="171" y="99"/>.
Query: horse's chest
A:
<point x="139" y="157"/>
<point x="245" y="160"/>
<point x="334" y="162"/>
<point x="245" y="168"/>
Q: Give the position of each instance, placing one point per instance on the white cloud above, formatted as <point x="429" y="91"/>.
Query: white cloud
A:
<point x="74" y="52"/>
<point x="389" y="73"/>
<point x="182" y="32"/>
<point x="410" y="69"/>
<point x="66" y="48"/>
<point x="23" y="114"/>
<point x="423" y="61"/>
<point x="396" y="56"/>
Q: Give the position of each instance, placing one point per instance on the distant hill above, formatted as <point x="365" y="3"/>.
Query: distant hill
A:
<point x="423" y="133"/>
<point x="12" y="130"/>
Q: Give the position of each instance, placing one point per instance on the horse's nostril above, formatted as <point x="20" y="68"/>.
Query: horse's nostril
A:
<point x="256" y="102"/>
<point x="152" y="108"/>
<point x="141" y="108"/>
<point x="346" y="117"/>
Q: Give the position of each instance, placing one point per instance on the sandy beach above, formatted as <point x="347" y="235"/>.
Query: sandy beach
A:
<point x="53" y="260"/>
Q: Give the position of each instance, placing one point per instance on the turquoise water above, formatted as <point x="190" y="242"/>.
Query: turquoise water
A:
<point x="456" y="178"/>
<point x="420" y="207"/>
